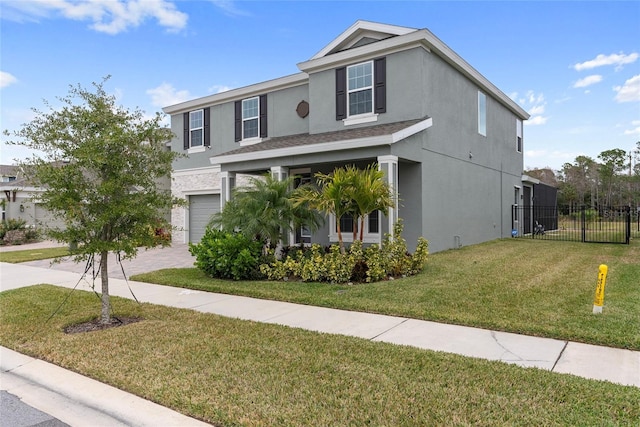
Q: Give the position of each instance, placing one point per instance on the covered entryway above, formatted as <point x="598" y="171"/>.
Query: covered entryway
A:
<point x="201" y="208"/>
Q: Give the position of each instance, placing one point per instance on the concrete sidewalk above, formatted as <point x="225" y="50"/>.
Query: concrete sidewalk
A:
<point x="588" y="361"/>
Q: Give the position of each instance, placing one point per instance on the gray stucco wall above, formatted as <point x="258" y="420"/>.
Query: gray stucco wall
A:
<point x="281" y="120"/>
<point x="467" y="179"/>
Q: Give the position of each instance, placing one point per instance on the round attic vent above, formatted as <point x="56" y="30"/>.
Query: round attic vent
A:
<point x="303" y="109"/>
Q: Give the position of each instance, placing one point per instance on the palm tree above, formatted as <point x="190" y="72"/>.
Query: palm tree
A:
<point x="264" y="211"/>
<point x="333" y="196"/>
<point x="370" y="192"/>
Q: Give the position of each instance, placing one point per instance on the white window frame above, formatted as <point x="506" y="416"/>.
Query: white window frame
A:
<point x="246" y="119"/>
<point x="360" y="89"/>
<point x="347" y="237"/>
<point x="482" y="114"/>
<point x="200" y="128"/>
<point x="519" y="135"/>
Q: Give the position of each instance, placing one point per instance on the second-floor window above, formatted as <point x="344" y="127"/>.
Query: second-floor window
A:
<point x="519" y="135"/>
<point x="250" y="116"/>
<point x="361" y="91"/>
<point x="360" y="88"/>
<point x="196" y="128"/>
<point x="251" y="119"/>
<point x="482" y="114"/>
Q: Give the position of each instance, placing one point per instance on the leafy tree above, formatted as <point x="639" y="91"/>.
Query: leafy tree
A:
<point x="370" y="192"/>
<point x="613" y="164"/>
<point x="348" y="190"/>
<point x="100" y="172"/>
<point x="264" y="211"/>
<point x="332" y="197"/>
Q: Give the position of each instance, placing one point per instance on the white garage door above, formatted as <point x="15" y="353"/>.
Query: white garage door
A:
<point x="45" y="217"/>
<point x="201" y="208"/>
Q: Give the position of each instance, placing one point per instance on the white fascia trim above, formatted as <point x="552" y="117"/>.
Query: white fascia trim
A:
<point x="363" y="26"/>
<point x="466" y="69"/>
<point x="530" y="179"/>
<point x="369" y="51"/>
<point x="429" y="42"/>
<point x="348" y="144"/>
<point x="412" y="130"/>
<point x="200" y="192"/>
<point x="196" y="171"/>
<point x="293" y="80"/>
<point x="303" y="149"/>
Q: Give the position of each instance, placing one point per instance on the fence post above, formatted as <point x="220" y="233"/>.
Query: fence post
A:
<point x="583" y="216"/>
<point x="628" y="223"/>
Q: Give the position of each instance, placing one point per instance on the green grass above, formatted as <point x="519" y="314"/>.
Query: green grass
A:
<point x="33" y="254"/>
<point x="232" y="372"/>
<point x="525" y="286"/>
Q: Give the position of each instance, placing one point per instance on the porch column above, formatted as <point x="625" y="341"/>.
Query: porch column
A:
<point x="389" y="165"/>
<point x="227" y="184"/>
<point x="280" y="173"/>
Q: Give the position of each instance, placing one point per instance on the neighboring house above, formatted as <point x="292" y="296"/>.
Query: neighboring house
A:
<point x="19" y="198"/>
<point x="449" y="141"/>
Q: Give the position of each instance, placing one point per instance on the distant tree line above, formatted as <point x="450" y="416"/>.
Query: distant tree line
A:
<point x="613" y="179"/>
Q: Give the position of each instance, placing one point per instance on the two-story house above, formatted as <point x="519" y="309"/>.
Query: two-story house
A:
<point x="449" y="141"/>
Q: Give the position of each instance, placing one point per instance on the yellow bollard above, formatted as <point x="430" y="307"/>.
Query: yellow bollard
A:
<point x="598" y="301"/>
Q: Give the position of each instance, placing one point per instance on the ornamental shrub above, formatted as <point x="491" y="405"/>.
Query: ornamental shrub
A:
<point x="358" y="264"/>
<point x="225" y="255"/>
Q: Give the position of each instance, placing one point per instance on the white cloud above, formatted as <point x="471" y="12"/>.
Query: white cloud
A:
<point x="107" y="16"/>
<point x="6" y="79"/>
<point x="218" y="89"/>
<point x="617" y="59"/>
<point x="536" y="120"/>
<point x="165" y="95"/>
<point x="229" y="7"/>
<point x="536" y="110"/>
<point x="636" y="130"/>
<point x="535" y="104"/>
<point x="630" y="91"/>
<point x="588" y="81"/>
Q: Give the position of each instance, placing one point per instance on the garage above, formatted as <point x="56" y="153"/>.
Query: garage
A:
<point x="43" y="217"/>
<point x="201" y="208"/>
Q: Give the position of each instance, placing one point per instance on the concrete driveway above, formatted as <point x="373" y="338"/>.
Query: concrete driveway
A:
<point x="174" y="256"/>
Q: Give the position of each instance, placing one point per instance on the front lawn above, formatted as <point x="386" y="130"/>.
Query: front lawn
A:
<point x="232" y="372"/>
<point x="525" y="286"/>
<point x="33" y="254"/>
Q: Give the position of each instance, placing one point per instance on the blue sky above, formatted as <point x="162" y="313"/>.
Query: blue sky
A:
<point x="574" y="66"/>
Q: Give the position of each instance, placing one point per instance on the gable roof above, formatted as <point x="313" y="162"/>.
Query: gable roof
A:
<point x="384" y="39"/>
<point x="305" y="143"/>
<point x="362" y="30"/>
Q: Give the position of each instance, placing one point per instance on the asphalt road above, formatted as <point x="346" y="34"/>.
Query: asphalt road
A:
<point x="15" y="413"/>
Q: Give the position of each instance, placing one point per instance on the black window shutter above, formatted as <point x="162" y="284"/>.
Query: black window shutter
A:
<point x="238" y="120"/>
<point x="380" y="90"/>
<point x="207" y="121"/>
<point x="341" y="93"/>
<point x="263" y="116"/>
<point x="185" y="120"/>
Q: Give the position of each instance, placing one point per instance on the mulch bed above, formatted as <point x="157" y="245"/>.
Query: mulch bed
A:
<point x="95" y="325"/>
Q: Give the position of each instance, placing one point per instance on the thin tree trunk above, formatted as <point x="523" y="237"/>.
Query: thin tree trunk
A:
<point x="362" y="228"/>
<point x="339" y="236"/>
<point x="105" y="316"/>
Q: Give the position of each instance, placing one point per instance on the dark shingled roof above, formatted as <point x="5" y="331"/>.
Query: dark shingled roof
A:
<point x="319" y="138"/>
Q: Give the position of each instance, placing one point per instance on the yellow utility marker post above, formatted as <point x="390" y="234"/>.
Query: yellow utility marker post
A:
<point x="598" y="301"/>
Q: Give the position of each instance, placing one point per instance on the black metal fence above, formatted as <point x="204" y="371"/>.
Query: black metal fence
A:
<point x="583" y="224"/>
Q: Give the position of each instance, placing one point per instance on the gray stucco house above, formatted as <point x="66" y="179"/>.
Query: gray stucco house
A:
<point x="449" y="141"/>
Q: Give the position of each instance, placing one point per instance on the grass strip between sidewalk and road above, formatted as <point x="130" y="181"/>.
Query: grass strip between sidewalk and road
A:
<point x="232" y="372"/>
<point x="533" y="287"/>
<point x="27" y="255"/>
